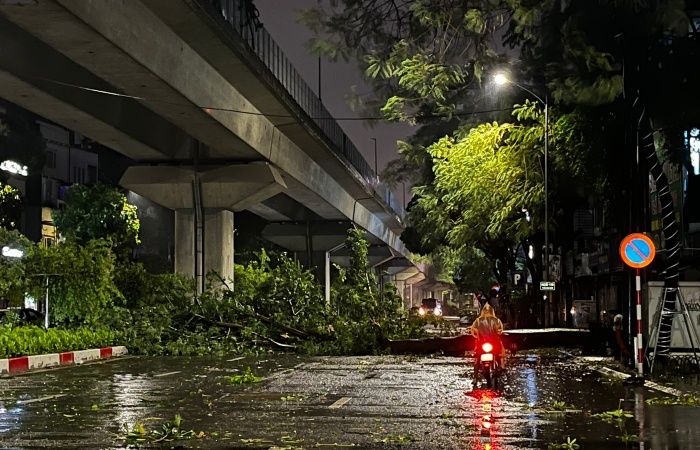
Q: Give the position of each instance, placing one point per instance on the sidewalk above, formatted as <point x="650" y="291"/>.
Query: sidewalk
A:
<point x="669" y="383"/>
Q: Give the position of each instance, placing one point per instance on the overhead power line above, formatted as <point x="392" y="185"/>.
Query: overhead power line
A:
<point x="269" y="115"/>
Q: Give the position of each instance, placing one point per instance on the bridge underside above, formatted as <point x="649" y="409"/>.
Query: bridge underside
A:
<point x="148" y="78"/>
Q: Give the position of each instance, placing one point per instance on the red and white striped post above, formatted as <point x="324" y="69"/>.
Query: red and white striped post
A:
<point x="640" y="348"/>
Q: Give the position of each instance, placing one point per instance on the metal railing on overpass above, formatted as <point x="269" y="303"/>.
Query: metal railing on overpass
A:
<point x="241" y="15"/>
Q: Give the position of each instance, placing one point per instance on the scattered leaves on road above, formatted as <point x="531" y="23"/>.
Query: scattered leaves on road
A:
<point x="560" y="406"/>
<point x="396" y="439"/>
<point x="614" y="416"/>
<point x="683" y="400"/>
<point x="246" y="377"/>
<point x="168" y="431"/>
<point x="293" y="398"/>
<point x="570" y="444"/>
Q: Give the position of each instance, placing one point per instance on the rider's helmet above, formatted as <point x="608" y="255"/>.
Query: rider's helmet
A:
<point x="487" y="310"/>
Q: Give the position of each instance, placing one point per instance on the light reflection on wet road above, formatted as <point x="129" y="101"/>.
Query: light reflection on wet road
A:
<point x="371" y="402"/>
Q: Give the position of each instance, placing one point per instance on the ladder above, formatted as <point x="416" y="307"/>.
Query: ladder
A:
<point x="684" y="313"/>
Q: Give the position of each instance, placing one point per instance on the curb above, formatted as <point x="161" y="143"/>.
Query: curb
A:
<point x="25" y="363"/>
<point x="648" y="384"/>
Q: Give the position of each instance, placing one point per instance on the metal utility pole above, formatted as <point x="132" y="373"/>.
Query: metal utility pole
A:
<point x="376" y="167"/>
<point x="501" y="79"/>
<point x="319" y="79"/>
<point x="546" y="188"/>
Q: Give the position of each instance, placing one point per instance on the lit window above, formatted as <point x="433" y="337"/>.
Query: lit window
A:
<point x="51" y="159"/>
<point x="692" y="140"/>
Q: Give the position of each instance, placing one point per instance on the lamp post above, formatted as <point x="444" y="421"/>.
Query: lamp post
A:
<point x="500" y="79"/>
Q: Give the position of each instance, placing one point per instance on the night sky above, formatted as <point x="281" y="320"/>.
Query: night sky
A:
<point x="280" y="19"/>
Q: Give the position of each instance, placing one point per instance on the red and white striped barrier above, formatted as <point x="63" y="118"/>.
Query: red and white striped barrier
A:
<point x="24" y="363"/>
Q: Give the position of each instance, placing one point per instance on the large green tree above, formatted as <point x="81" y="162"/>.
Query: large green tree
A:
<point x="99" y="212"/>
<point x="422" y="56"/>
<point x="427" y="62"/>
<point x="487" y="190"/>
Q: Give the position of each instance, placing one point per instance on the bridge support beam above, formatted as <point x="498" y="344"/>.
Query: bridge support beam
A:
<point x="214" y="251"/>
<point x="204" y="200"/>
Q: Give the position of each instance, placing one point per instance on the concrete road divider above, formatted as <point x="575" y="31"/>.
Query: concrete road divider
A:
<point x="24" y="363"/>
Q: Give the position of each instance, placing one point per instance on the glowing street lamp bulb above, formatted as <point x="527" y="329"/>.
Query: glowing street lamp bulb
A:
<point x="500" y="79"/>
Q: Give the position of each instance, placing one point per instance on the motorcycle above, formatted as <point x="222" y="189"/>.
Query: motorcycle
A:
<point x="489" y="366"/>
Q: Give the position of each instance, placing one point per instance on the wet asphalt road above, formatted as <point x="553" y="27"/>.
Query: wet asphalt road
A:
<point x="378" y="402"/>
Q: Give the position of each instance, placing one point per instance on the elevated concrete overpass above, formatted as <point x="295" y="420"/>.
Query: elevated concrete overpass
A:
<point x="215" y="117"/>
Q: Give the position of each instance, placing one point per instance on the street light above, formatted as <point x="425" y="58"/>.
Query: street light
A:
<point x="501" y="79"/>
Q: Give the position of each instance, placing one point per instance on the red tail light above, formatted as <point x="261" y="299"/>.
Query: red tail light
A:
<point x="487" y="347"/>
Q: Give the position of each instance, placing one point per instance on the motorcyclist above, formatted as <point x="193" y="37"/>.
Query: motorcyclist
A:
<point x="487" y="327"/>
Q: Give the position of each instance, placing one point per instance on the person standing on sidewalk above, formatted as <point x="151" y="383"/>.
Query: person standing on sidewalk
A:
<point x="622" y="353"/>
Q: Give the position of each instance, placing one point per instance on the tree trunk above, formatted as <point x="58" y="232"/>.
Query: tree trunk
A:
<point x="671" y="236"/>
<point x="536" y="300"/>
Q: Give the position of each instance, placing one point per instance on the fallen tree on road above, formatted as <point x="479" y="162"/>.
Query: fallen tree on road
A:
<point x="513" y="340"/>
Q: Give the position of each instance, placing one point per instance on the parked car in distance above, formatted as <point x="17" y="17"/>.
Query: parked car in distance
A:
<point x="430" y="307"/>
<point x="467" y="316"/>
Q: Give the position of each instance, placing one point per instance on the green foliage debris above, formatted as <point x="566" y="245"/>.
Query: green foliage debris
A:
<point x="613" y="416"/>
<point x="560" y="406"/>
<point x="682" y="400"/>
<point x="246" y="377"/>
<point x="276" y="304"/>
<point x="396" y="439"/>
<point x="570" y="444"/>
<point x="168" y="431"/>
<point x="293" y="398"/>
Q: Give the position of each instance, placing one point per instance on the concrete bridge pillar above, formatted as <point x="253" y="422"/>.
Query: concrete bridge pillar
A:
<point x="216" y="251"/>
<point x="204" y="200"/>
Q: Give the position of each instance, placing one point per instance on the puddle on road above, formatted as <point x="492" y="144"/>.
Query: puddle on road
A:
<point x="551" y="402"/>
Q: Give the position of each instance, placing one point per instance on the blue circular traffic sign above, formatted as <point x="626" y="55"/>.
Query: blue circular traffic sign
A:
<point x="637" y="250"/>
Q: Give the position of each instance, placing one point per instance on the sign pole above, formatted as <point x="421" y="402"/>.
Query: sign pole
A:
<point x="46" y="306"/>
<point x="640" y="348"/>
<point x="637" y="251"/>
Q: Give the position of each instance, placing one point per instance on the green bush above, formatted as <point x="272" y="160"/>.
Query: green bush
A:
<point x="32" y="340"/>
